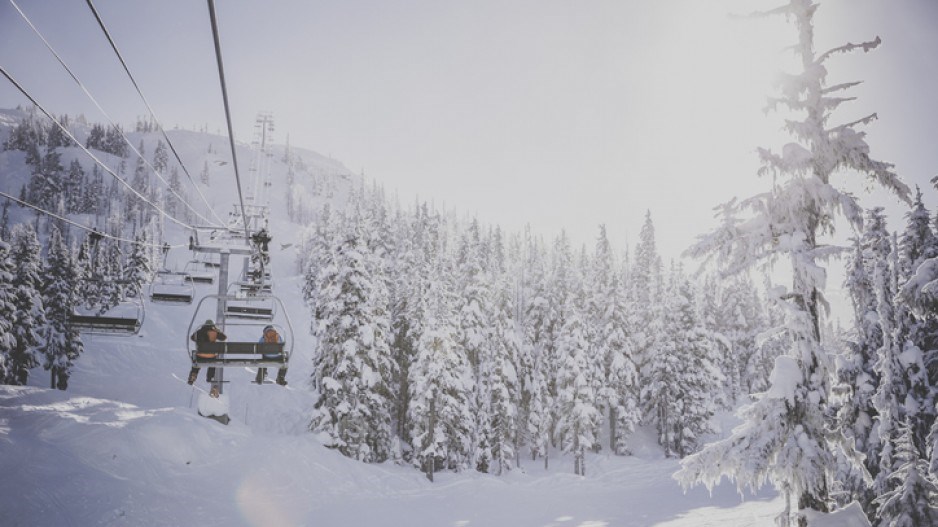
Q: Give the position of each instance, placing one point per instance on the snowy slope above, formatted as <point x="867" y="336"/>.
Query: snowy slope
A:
<point x="83" y="460"/>
<point x="125" y="445"/>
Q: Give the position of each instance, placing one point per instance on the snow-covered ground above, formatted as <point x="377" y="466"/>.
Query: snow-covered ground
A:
<point x="71" y="458"/>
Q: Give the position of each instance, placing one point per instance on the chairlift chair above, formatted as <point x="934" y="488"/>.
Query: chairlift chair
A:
<point x="253" y="285"/>
<point x="209" y="260"/>
<point x="170" y="287"/>
<point x="198" y="273"/>
<point x="240" y="305"/>
<point x="239" y="351"/>
<point x="114" y="321"/>
<point x="255" y="289"/>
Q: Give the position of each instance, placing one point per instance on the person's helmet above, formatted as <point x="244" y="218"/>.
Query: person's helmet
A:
<point x="209" y="323"/>
<point x="269" y="328"/>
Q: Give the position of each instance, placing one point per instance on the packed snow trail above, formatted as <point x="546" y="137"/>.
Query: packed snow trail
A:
<point x="82" y="460"/>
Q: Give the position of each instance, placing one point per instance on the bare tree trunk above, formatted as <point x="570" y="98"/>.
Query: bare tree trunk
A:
<point x="612" y="429"/>
<point x="431" y="463"/>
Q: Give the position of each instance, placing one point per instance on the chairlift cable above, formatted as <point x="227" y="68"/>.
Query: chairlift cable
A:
<point x="108" y="117"/>
<point x="224" y="94"/>
<point x="152" y="113"/>
<point x="85" y="227"/>
<point x="91" y="155"/>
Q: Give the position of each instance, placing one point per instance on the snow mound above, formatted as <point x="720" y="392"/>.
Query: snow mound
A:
<point x="849" y="516"/>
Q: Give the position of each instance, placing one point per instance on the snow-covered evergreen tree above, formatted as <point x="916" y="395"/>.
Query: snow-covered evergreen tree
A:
<point x="684" y="378"/>
<point x="353" y="365"/>
<point x="62" y="343"/>
<point x="917" y="245"/>
<point x="576" y="414"/>
<point x="643" y="274"/>
<point x="5" y="220"/>
<point x="160" y="157"/>
<point x="7" y="313"/>
<point x="408" y="255"/>
<point x="440" y="380"/>
<point x="911" y="500"/>
<point x="699" y="379"/>
<point x="29" y="316"/>
<point x="73" y="186"/>
<point x="110" y="269"/>
<point x="139" y="268"/>
<point x="95" y="139"/>
<point x="858" y="380"/>
<point x="475" y="321"/>
<point x="205" y="175"/>
<point x="890" y="392"/>
<point x="613" y="348"/>
<point x="538" y="348"/>
<point x="500" y="374"/>
<point x="174" y="199"/>
<point x="114" y="142"/>
<point x="615" y="378"/>
<point x="788" y="438"/>
<point x="55" y="136"/>
<point x="46" y="184"/>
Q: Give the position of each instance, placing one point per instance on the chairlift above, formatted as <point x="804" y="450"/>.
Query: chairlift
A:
<point x="210" y="261"/>
<point x="242" y="347"/>
<point x="124" y="319"/>
<point x="254" y="289"/>
<point x="197" y="272"/>
<point x="240" y="305"/>
<point x="169" y="287"/>
<point x="252" y="284"/>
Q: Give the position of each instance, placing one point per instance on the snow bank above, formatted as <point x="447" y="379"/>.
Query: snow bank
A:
<point x="849" y="516"/>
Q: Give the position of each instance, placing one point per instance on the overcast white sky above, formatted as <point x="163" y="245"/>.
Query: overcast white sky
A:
<point x="563" y="114"/>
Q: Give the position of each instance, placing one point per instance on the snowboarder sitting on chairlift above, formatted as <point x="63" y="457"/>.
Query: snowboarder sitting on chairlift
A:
<point x="207" y="333"/>
<point x="271" y="335"/>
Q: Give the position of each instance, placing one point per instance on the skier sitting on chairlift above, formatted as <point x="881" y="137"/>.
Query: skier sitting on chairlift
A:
<point x="207" y="333"/>
<point x="271" y="335"/>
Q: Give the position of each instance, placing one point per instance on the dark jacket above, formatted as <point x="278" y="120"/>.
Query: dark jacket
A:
<point x="201" y="334"/>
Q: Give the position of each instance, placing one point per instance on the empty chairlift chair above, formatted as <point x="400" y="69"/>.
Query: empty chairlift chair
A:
<point x="172" y="288"/>
<point x="124" y="319"/>
<point x="198" y="272"/>
<point x="258" y="306"/>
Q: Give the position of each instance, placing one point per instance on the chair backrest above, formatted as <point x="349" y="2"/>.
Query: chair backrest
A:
<point x="241" y="348"/>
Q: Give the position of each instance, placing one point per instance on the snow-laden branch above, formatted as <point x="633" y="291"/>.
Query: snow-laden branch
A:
<point x="842" y="86"/>
<point x="781" y="10"/>
<point x="848" y="47"/>
<point x="736" y="244"/>
<point x="921" y="291"/>
<point x="864" y="121"/>
<point x="794" y="159"/>
<point x="851" y="151"/>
